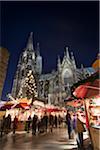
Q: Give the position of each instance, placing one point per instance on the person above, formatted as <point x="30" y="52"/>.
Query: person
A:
<point x="51" y="122"/>
<point x="45" y="120"/>
<point x="79" y="130"/>
<point x="74" y="122"/>
<point x="28" y="124"/>
<point x="15" y="124"/>
<point x="9" y="121"/>
<point x="42" y="124"/>
<point x="39" y="124"/>
<point x="68" y="121"/>
<point x="55" y="121"/>
<point x="3" y="125"/>
<point x="73" y="117"/>
<point x="34" y="124"/>
<point x="59" y="120"/>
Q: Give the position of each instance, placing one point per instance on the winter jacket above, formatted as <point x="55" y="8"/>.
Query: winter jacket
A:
<point x="79" y="126"/>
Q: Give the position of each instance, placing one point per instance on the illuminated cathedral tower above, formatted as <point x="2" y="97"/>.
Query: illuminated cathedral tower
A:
<point x="29" y="60"/>
<point x="67" y="71"/>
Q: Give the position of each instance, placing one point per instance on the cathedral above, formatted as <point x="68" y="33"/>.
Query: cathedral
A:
<point x="54" y="86"/>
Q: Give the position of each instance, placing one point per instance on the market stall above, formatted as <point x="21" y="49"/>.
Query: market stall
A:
<point x="87" y="91"/>
<point x="93" y="109"/>
<point x="20" y="109"/>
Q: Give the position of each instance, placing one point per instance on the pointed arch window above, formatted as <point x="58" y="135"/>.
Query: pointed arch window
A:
<point x="67" y="76"/>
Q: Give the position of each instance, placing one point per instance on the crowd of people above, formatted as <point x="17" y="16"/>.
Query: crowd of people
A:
<point x="45" y="122"/>
<point x="35" y="124"/>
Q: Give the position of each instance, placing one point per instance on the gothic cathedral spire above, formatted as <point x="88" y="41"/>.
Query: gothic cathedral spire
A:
<point x="30" y="42"/>
<point x="67" y="53"/>
<point x="73" y="60"/>
<point x="38" y="49"/>
<point x="59" y="63"/>
<point x="38" y="60"/>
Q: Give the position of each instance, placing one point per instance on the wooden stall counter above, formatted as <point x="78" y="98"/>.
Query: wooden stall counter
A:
<point x="95" y="135"/>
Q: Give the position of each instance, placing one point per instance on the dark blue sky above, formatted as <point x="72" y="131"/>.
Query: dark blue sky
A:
<point x="55" y="25"/>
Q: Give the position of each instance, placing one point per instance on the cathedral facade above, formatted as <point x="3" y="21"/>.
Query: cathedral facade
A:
<point x="54" y="86"/>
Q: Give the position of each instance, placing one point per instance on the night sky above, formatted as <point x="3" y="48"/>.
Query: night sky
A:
<point x="55" y="25"/>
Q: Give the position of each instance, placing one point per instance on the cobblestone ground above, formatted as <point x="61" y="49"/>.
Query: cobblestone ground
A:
<point x="58" y="140"/>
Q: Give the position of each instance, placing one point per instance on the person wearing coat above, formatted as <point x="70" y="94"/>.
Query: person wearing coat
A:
<point x="28" y="124"/>
<point x="51" y="122"/>
<point x="15" y="123"/>
<point x="69" y="124"/>
<point x="34" y="124"/>
<point x="79" y="130"/>
<point x="45" y="121"/>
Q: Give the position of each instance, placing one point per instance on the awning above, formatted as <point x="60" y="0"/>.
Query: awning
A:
<point x="24" y="100"/>
<point x="38" y="103"/>
<point x="87" y="90"/>
<point x="69" y="99"/>
<point x="90" y="79"/>
<point x="53" y="110"/>
<point x="11" y="106"/>
<point x="6" y="106"/>
<point x="75" y="103"/>
<point x="23" y="106"/>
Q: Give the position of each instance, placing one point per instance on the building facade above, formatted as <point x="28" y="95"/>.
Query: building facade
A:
<point x="4" y="57"/>
<point x="54" y="86"/>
